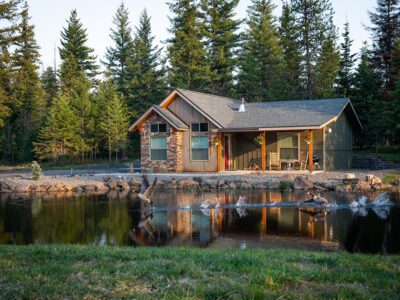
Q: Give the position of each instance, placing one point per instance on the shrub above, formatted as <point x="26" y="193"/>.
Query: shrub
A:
<point x="36" y="170"/>
<point x="284" y="186"/>
<point x="391" y="178"/>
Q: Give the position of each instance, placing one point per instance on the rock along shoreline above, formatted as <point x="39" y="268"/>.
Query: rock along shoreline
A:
<point x="102" y="184"/>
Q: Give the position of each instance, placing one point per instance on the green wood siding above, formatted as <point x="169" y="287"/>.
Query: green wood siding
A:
<point x="246" y="151"/>
<point x="339" y="144"/>
<point x="318" y="144"/>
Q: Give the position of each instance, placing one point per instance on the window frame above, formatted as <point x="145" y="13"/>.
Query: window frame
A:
<point x="158" y="127"/>
<point x="166" y="148"/>
<point x="208" y="148"/>
<point x="292" y="134"/>
<point x="199" y="124"/>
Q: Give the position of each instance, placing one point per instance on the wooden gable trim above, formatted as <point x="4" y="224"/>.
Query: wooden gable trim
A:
<point x="146" y="115"/>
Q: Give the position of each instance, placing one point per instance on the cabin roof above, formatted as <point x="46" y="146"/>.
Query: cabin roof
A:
<point x="223" y="111"/>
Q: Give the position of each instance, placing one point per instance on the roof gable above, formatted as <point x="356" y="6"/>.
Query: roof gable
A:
<point x="168" y="116"/>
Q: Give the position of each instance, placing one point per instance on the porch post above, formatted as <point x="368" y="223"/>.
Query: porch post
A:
<point x="219" y="153"/>
<point x="263" y="152"/>
<point x="310" y="151"/>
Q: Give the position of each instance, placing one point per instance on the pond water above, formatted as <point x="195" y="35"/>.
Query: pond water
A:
<point x="122" y="219"/>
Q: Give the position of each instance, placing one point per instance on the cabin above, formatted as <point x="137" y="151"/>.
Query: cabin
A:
<point x="197" y="132"/>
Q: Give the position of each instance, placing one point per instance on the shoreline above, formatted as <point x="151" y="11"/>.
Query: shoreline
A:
<point x="279" y="181"/>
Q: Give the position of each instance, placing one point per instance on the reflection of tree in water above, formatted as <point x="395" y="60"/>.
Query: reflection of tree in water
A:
<point x="16" y="222"/>
<point x="369" y="234"/>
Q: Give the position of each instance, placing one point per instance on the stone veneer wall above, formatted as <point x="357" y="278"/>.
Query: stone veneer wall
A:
<point x="174" y="162"/>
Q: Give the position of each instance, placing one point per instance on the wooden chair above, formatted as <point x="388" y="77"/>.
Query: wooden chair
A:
<point x="274" y="162"/>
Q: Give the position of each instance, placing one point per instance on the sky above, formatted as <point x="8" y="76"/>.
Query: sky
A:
<point x="49" y="17"/>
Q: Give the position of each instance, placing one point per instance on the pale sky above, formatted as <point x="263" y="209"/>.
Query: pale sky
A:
<point x="49" y="16"/>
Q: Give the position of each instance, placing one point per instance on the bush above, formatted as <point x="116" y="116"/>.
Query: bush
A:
<point x="284" y="186"/>
<point x="391" y="178"/>
<point x="36" y="170"/>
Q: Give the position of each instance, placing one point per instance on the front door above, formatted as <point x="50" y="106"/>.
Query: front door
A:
<point x="227" y="152"/>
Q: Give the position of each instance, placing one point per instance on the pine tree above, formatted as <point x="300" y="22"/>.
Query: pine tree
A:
<point x="114" y="120"/>
<point x="188" y="67"/>
<point x="327" y="69"/>
<point x="314" y="22"/>
<point x="49" y="83"/>
<point x="347" y="60"/>
<point x="260" y="61"/>
<point x="291" y="54"/>
<point x="147" y="85"/>
<point x="385" y="32"/>
<point x="222" y="41"/>
<point x="27" y="88"/>
<point x="73" y="43"/>
<point x="59" y="138"/>
<point x="118" y="56"/>
<point x="365" y="95"/>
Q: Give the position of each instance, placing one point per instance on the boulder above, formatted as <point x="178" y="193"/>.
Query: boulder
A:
<point x="123" y="185"/>
<point x="213" y="183"/>
<point x="68" y="187"/>
<point x="302" y="183"/>
<point x="21" y="188"/>
<point x="386" y="186"/>
<point x="375" y="181"/>
<point x="89" y="188"/>
<point x="135" y="183"/>
<point x="221" y="183"/>
<point x="45" y="186"/>
<point x="363" y="186"/>
<point x="112" y="184"/>
<point x="245" y="185"/>
<point x="273" y="185"/>
<point x="6" y="187"/>
<point x="188" y="184"/>
<point x="232" y="185"/>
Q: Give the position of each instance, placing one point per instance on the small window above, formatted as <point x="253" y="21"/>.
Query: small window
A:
<point x="199" y="127"/>
<point x="199" y="147"/>
<point x="161" y="127"/>
<point x="158" y="147"/>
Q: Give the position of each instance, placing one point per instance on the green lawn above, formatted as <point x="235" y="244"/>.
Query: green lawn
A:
<point x="85" y="271"/>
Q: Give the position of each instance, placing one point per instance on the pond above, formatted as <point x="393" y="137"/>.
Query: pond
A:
<point x="177" y="220"/>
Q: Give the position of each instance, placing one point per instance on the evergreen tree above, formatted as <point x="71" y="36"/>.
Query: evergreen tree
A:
<point x="73" y="43"/>
<point x="114" y="120"/>
<point x="365" y="97"/>
<point x="314" y="22"/>
<point x="347" y="60"/>
<point x="59" y="138"/>
<point x="147" y="85"/>
<point x="291" y="54"/>
<point x="260" y="61"/>
<point x="27" y="88"/>
<point x="49" y="84"/>
<point x="327" y="69"/>
<point x="188" y="67"/>
<point x="222" y="41"/>
<point x="118" y="56"/>
<point x="385" y="32"/>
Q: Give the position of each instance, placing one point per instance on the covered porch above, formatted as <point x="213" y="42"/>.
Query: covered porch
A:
<point x="294" y="150"/>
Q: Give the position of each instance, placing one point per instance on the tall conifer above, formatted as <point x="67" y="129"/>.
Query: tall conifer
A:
<point x="118" y="55"/>
<point x="347" y="60"/>
<point x="187" y="65"/>
<point x="222" y="41"/>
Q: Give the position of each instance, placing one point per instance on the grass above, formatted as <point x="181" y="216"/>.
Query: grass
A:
<point x="387" y="154"/>
<point x="176" y="273"/>
<point x="391" y="178"/>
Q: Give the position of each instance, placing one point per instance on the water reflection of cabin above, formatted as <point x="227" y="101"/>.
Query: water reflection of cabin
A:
<point x="196" y="132"/>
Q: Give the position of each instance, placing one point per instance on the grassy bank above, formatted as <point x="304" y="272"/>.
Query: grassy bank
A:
<point x="84" y="271"/>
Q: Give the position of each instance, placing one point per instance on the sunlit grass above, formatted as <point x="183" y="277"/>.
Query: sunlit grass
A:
<point x="85" y="271"/>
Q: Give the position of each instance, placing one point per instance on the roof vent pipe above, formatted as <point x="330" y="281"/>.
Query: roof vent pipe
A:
<point x="242" y="108"/>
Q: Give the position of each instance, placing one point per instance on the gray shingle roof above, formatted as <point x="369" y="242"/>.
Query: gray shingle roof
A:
<point x="294" y="113"/>
<point x="170" y="117"/>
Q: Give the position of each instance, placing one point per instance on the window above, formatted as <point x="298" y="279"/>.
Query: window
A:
<point x="158" y="146"/>
<point x="199" y="147"/>
<point x="288" y="144"/>
<point x="160" y="127"/>
<point x="199" y="127"/>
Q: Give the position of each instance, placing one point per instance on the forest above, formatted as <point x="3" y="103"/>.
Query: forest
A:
<point x="80" y="111"/>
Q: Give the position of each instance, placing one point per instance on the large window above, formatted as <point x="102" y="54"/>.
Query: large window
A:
<point x="289" y="146"/>
<point x="199" y="147"/>
<point x="158" y="147"/>
<point x="199" y="127"/>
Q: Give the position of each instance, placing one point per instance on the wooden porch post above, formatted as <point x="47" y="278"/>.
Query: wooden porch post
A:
<point x="219" y="153"/>
<point x="310" y="151"/>
<point x="263" y="152"/>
